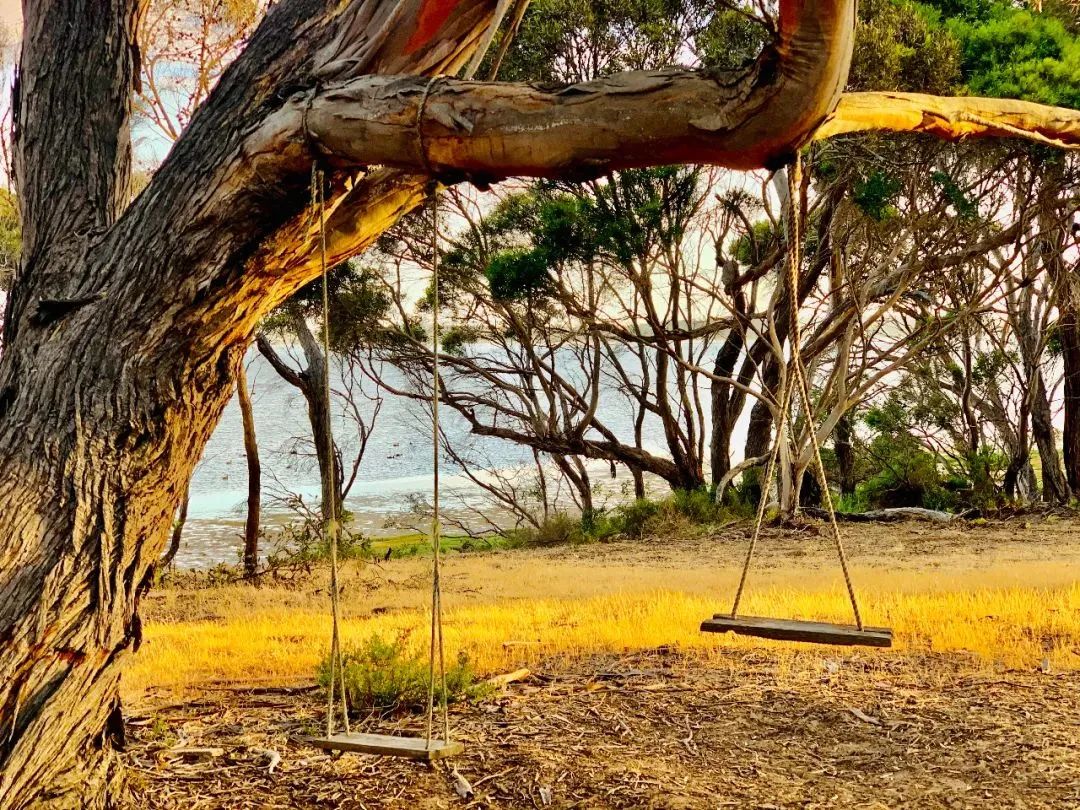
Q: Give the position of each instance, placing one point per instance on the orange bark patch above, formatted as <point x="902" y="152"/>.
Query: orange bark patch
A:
<point x="433" y="13"/>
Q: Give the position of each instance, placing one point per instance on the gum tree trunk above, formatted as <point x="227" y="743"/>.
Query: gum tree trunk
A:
<point x="127" y="320"/>
<point x="309" y="383"/>
<point x="254" y="471"/>
<point x="1069" y="325"/>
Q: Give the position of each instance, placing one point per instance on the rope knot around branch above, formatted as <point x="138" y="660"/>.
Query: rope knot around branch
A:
<point x="418" y="125"/>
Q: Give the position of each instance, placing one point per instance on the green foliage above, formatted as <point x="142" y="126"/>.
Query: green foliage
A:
<point x="643" y="210"/>
<point x="698" y="505"/>
<point x="677" y="514"/>
<point x="729" y="40"/>
<point x="876" y="194"/>
<point x="851" y="502"/>
<point x="357" y="308"/>
<point x="358" y="304"/>
<point x="750" y="248"/>
<point x="10" y="237"/>
<point x="557" y="530"/>
<point x="518" y="273"/>
<point x="456" y="338"/>
<point x="1012" y="52"/>
<point x="965" y="207"/>
<point x="529" y="238"/>
<point x="633" y="519"/>
<point x="982" y="47"/>
<point x="901" y="45"/>
<point x="907" y="475"/>
<point x="304" y="545"/>
<point x="386" y="677"/>
<point x="572" y="40"/>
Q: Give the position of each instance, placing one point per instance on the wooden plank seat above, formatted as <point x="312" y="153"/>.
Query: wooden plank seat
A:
<point x="387" y="745"/>
<point x="794" y="630"/>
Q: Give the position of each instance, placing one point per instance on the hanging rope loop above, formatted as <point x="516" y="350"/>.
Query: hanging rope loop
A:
<point x="331" y="525"/>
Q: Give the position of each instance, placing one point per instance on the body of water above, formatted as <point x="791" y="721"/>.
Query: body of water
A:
<point x="396" y="471"/>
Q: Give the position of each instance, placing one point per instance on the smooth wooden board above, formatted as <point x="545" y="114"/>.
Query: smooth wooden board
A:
<point x="388" y="746"/>
<point x="794" y="630"/>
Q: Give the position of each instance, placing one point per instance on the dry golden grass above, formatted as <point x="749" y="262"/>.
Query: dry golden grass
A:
<point x="278" y="637"/>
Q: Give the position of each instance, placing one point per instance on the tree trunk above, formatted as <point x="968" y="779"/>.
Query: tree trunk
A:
<point x="845" y="455"/>
<point x="759" y="437"/>
<point x="309" y="383"/>
<point x="177" y="530"/>
<point x="254" y="470"/>
<point x="1055" y="487"/>
<point x="320" y="415"/>
<point x="727" y="403"/>
<point x="1069" y="327"/>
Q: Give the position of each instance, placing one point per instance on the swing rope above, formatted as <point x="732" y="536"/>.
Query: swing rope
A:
<point x="436" y="650"/>
<point x="331" y="526"/>
<point x="436" y="529"/>
<point x="797" y="374"/>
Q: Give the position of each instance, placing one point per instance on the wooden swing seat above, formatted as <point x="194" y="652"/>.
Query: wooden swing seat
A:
<point x="794" y="630"/>
<point x="387" y="745"/>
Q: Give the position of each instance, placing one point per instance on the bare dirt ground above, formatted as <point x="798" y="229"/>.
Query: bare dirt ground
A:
<point x="759" y="728"/>
<point x="656" y="731"/>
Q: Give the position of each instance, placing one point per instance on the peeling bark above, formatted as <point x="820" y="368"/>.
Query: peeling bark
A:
<point x="953" y="119"/>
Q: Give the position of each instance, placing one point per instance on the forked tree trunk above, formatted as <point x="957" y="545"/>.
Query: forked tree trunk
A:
<point x="310" y="383"/>
<point x="320" y="416"/>
<point x="253" y="522"/>
<point x="126" y="323"/>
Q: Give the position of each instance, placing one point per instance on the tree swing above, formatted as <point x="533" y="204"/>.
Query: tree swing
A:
<point x="428" y="747"/>
<point x="790" y="629"/>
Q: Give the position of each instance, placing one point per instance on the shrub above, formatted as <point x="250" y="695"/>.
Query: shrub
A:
<point x="909" y="475"/>
<point x="386" y="677"/>
<point x="696" y="504"/>
<point x="304" y="544"/>
<point x="558" y="529"/>
<point x="633" y="518"/>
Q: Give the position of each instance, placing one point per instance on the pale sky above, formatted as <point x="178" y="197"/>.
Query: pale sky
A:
<point x="11" y="13"/>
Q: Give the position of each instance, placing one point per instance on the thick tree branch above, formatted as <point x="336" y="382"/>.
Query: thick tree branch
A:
<point x="764" y="113"/>
<point x="953" y="119"/>
<point x="502" y="130"/>
<point x="628" y="120"/>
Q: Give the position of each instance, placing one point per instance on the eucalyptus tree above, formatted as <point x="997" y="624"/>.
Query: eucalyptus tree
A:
<point x="578" y="315"/>
<point x="127" y="319"/>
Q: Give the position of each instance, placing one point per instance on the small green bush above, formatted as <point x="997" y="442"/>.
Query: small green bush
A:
<point x="909" y="475"/>
<point x="558" y="529"/>
<point x="632" y="519"/>
<point x="386" y="677"/>
<point x="304" y="544"/>
<point x="698" y="505"/>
